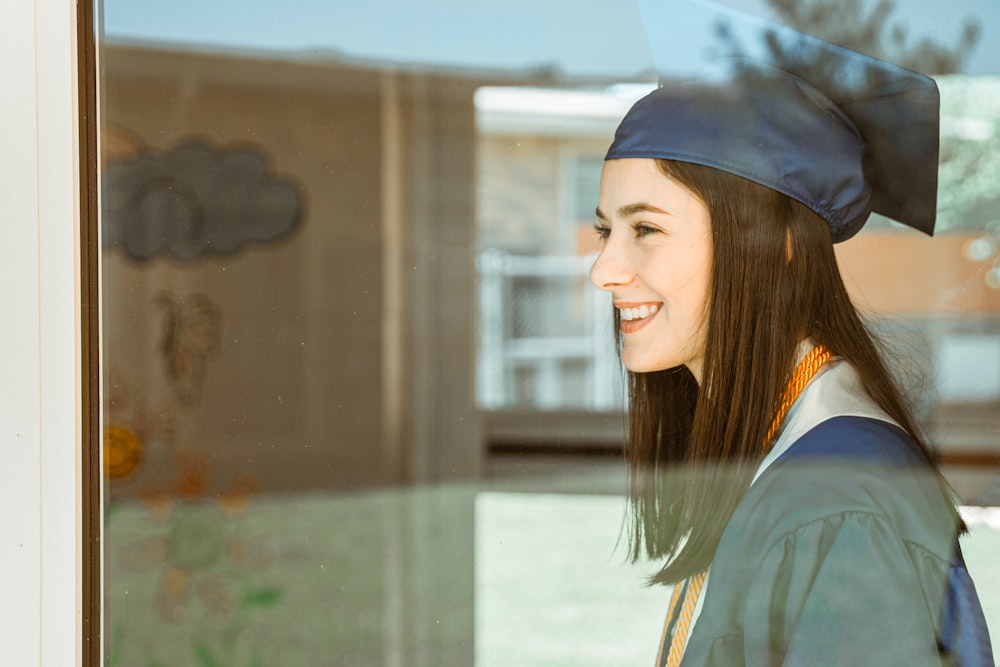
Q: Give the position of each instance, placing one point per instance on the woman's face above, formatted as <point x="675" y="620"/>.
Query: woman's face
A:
<point x="656" y="262"/>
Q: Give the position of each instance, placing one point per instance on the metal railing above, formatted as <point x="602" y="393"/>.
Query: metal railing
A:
<point x="545" y="335"/>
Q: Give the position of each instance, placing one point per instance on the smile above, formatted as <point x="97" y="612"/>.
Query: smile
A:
<point x="638" y="312"/>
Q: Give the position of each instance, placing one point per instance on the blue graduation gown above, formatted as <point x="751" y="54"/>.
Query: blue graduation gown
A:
<point x="840" y="554"/>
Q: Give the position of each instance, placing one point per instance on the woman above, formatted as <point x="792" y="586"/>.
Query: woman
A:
<point x="774" y="462"/>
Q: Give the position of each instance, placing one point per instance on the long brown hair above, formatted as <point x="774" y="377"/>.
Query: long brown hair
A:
<point x="692" y="450"/>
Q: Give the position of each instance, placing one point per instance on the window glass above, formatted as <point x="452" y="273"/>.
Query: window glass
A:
<point x="361" y="404"/>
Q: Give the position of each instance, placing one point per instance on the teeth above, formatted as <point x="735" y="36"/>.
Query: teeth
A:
<point x="628" y="314"/>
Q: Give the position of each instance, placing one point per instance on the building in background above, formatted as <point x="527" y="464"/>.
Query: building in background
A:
<point x="545" y="339"/>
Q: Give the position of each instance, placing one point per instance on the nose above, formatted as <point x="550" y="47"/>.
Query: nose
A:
<point x="610" y="269"/>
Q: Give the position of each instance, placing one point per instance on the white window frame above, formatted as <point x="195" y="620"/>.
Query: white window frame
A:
<point x="40" y="374"/>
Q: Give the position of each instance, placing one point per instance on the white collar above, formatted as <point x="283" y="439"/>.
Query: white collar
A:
<point x="835" y="391"/>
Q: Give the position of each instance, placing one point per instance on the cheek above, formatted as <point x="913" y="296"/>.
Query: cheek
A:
<point x="700" y="306"/>
<point x="702" y="286"/>
<point x="682" y="281"/>
<point x="700" y="277"/>
<point x="693" y="298"/>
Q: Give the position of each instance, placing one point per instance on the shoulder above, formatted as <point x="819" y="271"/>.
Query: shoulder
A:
<point x="855" y="466"/>
<point x="850" y="518"/>
<point x="848" y="476"/>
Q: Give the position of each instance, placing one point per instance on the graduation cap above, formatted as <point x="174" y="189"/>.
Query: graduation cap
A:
<point x="842" y="132"/>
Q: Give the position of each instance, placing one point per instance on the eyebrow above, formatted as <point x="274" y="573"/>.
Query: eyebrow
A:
<point x="631" y="209"/>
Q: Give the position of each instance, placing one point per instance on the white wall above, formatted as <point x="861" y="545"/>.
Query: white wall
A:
<point x="39" y="432"/>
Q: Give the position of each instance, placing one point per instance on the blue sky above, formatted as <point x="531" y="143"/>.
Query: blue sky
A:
<point x="582" y="37"/>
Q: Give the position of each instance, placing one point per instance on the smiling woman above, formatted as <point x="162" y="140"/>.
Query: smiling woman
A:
<point x="775" y="467"/>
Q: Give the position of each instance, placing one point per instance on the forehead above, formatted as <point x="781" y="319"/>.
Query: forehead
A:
<point x="639" y="171"/>
<point x="629" y="182"/>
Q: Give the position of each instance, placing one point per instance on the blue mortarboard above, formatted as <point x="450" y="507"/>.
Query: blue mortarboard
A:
<point x="842" y="132"/>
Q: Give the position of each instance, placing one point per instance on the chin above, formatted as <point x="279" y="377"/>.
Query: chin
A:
<point x="637" y="362"/>
<point x="648" y="365"/>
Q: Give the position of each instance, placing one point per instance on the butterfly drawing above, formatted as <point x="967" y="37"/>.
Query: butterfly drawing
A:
<point x="191" y="334"/>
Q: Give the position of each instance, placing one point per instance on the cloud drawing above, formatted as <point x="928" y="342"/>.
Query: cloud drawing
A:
<point x="196" y="200"/>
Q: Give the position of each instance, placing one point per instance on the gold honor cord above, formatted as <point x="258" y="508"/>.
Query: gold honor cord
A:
<point x="804" y="372"/>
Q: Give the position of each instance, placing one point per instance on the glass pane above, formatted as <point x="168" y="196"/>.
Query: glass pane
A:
<point x="361" y="401"/>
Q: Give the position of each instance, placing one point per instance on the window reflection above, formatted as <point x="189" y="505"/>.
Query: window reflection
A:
<point x="286" y="324"/>
<point x="351" y="352"/>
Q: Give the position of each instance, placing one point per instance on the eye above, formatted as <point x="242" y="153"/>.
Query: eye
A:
<point x="641" y="229"/>
<point x="602" y="231"/>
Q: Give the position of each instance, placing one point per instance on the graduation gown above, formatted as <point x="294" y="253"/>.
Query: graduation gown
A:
<point x="842" y="551"/>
